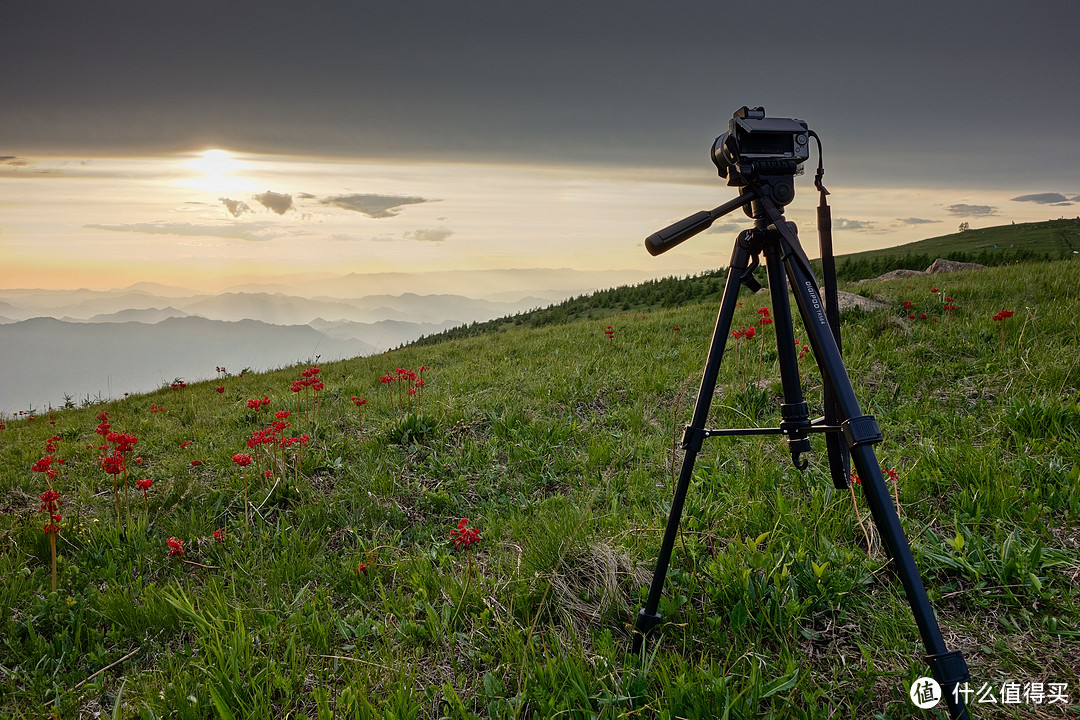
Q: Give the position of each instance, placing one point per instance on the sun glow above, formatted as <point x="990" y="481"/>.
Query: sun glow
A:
<point x="217" y="172"/>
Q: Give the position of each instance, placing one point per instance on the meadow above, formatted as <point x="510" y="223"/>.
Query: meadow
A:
<point x="352" y="543"/>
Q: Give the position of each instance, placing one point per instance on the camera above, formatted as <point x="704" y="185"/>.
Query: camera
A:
<point x="755" y="145"/>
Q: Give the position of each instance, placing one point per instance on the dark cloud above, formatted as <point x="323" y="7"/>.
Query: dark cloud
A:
<point x="236" y="208"/>
<point x="848" y="224"/>
<point x="12" y="161"/>
<point x="916" y="221"/>
<point x="278" y="202"/>
<point x="1045" y="199"/>
<point x="306" y="196"/>
<point x="375" y="206"/>
<point x="963" y="210"/>
<point x="429" y="235"/>
<point x="560" y="81"/>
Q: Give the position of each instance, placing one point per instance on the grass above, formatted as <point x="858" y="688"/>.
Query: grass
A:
<point x="345" y="597"/>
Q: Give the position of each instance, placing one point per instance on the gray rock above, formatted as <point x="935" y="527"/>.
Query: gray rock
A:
<point x="947" y="266"/>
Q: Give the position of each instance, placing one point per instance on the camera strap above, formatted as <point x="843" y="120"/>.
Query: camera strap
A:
<point x="839" y="456"/>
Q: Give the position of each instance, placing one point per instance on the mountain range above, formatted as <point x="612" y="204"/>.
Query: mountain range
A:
<point x="96" y="344"/>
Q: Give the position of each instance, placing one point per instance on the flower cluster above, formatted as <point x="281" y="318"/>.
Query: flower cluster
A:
<point x="409" y="385"/>
<point x="176" y="547"/>
<point x="50" y="503"/>
<point x="610" y="333"/>
<point x="1003" y="315"/>
<point x="464" y="536"/>
<point x="309" y="384"/>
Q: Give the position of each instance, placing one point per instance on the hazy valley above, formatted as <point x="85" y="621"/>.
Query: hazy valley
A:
<point x="94" y="344"/>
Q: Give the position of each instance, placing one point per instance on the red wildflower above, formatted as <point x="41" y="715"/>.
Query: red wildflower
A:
<point x="220" y="535"/>
<point x="176" y="547"/>
<point x="50" y="503"/>
<point x="241" y="459"/>
<point x="464" y="536"/>
<point x="145" y="484"/>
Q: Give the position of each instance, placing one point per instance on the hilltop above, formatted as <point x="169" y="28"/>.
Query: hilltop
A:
<point x="994" y="246"/>
<point x="339" y="574"/>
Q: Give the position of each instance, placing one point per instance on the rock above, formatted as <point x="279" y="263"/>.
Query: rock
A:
<point x="848" y="301"/>
<point x="892" y="275"/>
<point x="947" y="266"/>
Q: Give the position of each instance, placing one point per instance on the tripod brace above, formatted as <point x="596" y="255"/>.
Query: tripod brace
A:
<point x="848" y="431"/>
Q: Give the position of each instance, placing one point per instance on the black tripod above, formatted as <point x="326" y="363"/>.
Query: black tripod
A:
<point x="846" y="428"/>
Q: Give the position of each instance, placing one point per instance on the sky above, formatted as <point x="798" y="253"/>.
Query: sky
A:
<point x="208" y="144"/>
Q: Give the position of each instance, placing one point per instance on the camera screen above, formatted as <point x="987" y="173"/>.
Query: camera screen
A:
<point x="767" y="144"/>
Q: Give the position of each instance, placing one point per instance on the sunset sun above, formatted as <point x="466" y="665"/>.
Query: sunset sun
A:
<point x="217" y="170"/>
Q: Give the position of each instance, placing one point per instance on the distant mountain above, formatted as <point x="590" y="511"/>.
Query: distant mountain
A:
<point x="149" y="315"/>
<point x="43" y="358"/>
<point x="383" y="334"/>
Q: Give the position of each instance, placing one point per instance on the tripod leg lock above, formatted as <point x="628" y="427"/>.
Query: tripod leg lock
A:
<point x="862" y="430"/>
<point x="693" y="438"/>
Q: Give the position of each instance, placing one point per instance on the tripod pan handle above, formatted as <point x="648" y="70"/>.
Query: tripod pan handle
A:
<point x="663" y="240"/>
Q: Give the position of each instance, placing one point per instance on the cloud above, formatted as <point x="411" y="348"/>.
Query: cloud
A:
<point x="429" y="235"/>
<point x="306" y="196"/>
<point x="254" y="231"/>
<point x="962" y="210"/>
<point x="916" y="221"/>
<point x="848" y="224"/>
<point x="12" y="161"/>
<point x="278" y="202"/>
<point x="374" y="206"/>
<point x="1045" y="199"/>
<point x="236" y="208"/>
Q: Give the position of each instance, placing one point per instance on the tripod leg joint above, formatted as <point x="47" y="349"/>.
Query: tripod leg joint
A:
<point x="861" y="430"/>
<point x="693" y="438"/>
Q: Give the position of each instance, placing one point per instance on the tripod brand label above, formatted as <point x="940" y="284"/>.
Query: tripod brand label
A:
<point x="816" y="301"/>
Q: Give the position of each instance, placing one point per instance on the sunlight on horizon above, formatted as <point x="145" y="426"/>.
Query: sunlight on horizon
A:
<point x="218" y="168"/>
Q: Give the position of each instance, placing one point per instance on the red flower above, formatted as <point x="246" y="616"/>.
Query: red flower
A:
<point x="464" y="536"/>
<point x="113" y="464"/>
<point x="220" y="389"/>
<point x="220" y="535"/>
<point x="933" y="290"/>
<point x="241" y="459"/>
<point x="50" y="502"/>
<point x="358" y="401"/>
<point x="176" y="546"/>
<point x="1003" y="315"/>
<point x="749" y="332"/>
<point x="144" y="485"/>
<point x="908" y="304"/>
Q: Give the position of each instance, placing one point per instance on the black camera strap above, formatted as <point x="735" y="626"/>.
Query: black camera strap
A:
<point x="838" y="454"/>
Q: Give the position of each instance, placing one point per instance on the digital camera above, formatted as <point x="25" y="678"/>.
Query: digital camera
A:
<point x="755" y="145"/>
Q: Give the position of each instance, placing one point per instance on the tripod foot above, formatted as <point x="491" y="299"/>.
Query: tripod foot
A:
<point x="646" y="621"/>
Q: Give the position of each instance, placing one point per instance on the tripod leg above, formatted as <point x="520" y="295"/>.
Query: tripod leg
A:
<point x="648" y="617"/>
<point x="794" y="412"/>
<point x="948" y="668"/>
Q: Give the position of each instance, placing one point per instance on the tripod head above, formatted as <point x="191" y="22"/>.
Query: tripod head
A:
<point x="760" y="156"/>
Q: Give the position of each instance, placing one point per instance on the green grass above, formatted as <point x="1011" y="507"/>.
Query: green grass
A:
<point x="557" y="445"/>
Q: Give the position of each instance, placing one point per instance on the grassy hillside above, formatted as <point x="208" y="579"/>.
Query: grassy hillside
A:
<point x="344" y="583"/>
<point x="995" y="246"/>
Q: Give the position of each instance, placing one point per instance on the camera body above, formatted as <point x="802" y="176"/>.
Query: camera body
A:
<point x="755" y="145"/>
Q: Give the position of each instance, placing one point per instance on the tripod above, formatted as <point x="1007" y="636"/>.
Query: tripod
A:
<point x="847" y="429"/>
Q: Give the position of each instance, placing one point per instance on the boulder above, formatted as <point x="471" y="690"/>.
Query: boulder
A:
<point x="847" y="301"/>
<point x="947" y="266"/>
<point x="892" y="275"/>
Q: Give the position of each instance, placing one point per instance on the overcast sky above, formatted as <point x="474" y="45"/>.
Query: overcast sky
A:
<point x="972" y="103"/>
